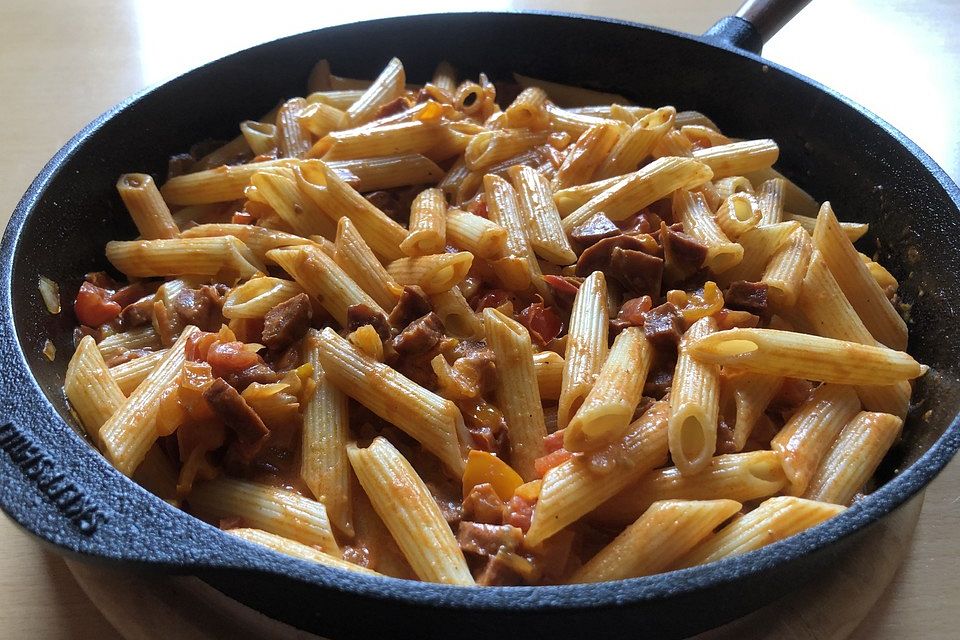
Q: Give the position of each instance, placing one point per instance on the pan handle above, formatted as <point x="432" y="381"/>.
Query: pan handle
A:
<point x="755" y="22"/>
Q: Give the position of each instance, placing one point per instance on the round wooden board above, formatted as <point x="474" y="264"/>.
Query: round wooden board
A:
<point x="149" y="607"/>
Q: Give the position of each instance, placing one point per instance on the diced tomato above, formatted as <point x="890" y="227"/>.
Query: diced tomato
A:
<point x="564" y="289"/>
<point x="553" y="441"/>
<point x="198" y="344"/>
<point x="519" y="512"/>
<point x="553" y="459"/>
<point x="241" y="217"/>
<point x="631" y="312"/>
<point x="542" y="322"/>
<point x="93" y="306"/>
<point x="478" y="207"/>
<point x="101" y="279"/>
<point x="230" y="357"/>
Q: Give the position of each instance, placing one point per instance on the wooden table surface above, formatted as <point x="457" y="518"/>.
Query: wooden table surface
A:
<point x="64" y="62"/>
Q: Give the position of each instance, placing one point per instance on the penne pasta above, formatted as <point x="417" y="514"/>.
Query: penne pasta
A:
<point x="407" y="508"/>
<point x="358" y="261"/>
<point x="116" y="345"/>
<point x="132" y="429"/>
<point x="222" y="256"/>
<point x="806" y="437"/>
<point x="586" y="155"/>
<point x="853" y="457"/>
<point x="324" y="280"/>
<point x="609" y="406"/>
<point x="433" y="273"/>
<point x="777" y="518"/>
<point x="475" y="234"/>
<point x="428" y="228"/>
<point x="751" y="394"/>
<point x="863" y="292"/>
<point x="528" y="110"/>
<point x="738" y="214"/>
<point x="387" y="87"/>
<point x="636" y="143"/>
<point x="297" y="549"/>
<point x="573" y="489"/>
<point x="586" y="348"/>
<point x="388" y="172"/>
<point x="93" y="393"/>
<point x="277" y="511"/>
<point x="282" y="194"/>
<point x="770" y="200"/>
<point x="691" y="209"/>
<point x="504" y="209"/>
<point x="255" y="297"/>
<point x="786" y="269"/>
<point x="130" y="374"/>
<point x="634" y="191"/>
<point x="794" y="355"/>
<point x="759" y="245"/>
<point x="456" y="314"/>
<point x="324" y="467"/>
<point x="694" y="403"/>
<point x="222" y="184"/>
<point x="853" y="230"/>
<point x="433" y="421"/>
<point x="259" y="240"/>
<point x="736" y="476"/>
<point x="548" y="365"/>
<point x="292" y="140"/>
<point x="738" y="158"/>
<point x="516" y="390"/>
<point x="146" y="206"/>
<point x="546" y="235"/>
<point x="662" y="535"/>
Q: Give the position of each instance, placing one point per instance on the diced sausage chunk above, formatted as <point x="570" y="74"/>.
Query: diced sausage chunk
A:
<point x="228" y="405"/>
<point x="746" y="296"/>
<point x="287" y="322"/>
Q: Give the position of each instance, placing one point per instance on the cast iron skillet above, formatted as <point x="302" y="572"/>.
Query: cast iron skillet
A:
<point x="57" y="487"/>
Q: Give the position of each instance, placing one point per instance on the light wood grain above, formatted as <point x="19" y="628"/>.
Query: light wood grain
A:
<point x="63" y="63"/>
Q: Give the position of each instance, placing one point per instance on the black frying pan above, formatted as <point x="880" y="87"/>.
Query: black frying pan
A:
<point x="57" y="487"/>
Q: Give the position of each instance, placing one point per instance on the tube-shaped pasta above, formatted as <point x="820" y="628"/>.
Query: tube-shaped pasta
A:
<point x="445" y="77"/>
<point x="387" y="172"/>
<point x="608" y="408"/>
<point x="585" y="156"/>
<point x="255" y="297"/>
<point x="433" y="421"/>
<point x="796" y="355"/>
<point x="130" y="374"/>
<point x="667" y="531"/>
<point x="428" y="224"/>
<point x="387" y="87"/>
<point x="806" y="437"/>
<point x="535" y="198"/>
<point x="323" y="279"/>
<point x="357" y="260"/>
<point x="285" y="198"/>
<point x="146" y="206"/>
<point x="339" y="98"/>
<point x="636" y="143"/>
<point x="853" y="230"/>
<point x="132" y="428"/>
<point x="726" y="187"/>
<point x="759" y="244"/>
<point x="297" y="549"/>
<point x="737" y="476"/>
<point x="634" y="191"/>
<point x="236" y="149"/>
<point x="490" y="147"/>
<point x="673" y="143"/>
<point x="548" y="366"/>
<point x="324" y="467"/>
<point x="455" y="312"/>
<point x="292" y="140"/>
<point x="751" y="394"/>
<point x="338" y="200"/>
<point x="737" y="214"/>
<point x="690" y="117"/>
<point x="476" y="234"/>
<point x="528" y="110"/>
<point x="92" y="391"/>
<point x="863" y="292"/>
<point x="586" y="347"/>
<point x="278" y="511"/>
<point x="777" y="518"/>
<point x="828" y="313"/>
<point x="574" y="489"/>
<point x="216" y="185"/>
<point x="119" y="343"/>
<point x="786" y="269"/>
<point x="406" y="506"/>
<point x="504" y="209"/>
<point x="691" y="209"/>
<point x="260" y="136"/>
<point x="183" y="256"/>
<point x="770" y="200"/>
<point x="258" y="239"/>
<point x="738" y="158"/>
<point x="854" y="457"/>
<point x="694" y="404"/>
<point x="571" y="122"/>
<point x="320" y="119"/>
<point x="434" y="273"/>
<point x="401" y="138"/>
<point x="517" y="391"/>
<point x="572" y="198"/>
